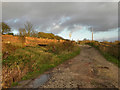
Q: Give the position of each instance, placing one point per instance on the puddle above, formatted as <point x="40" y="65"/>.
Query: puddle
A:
<point x="40" y="81"/>
<point x="104" y="67"/>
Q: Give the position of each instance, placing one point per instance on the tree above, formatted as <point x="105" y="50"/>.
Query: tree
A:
<point x="28" y="28"/>
<point x="5" y="28"/>
<point x="84" y="39"/>
<point x="22" y="32"/>
<point x="34" y="33"/>
<point x="10" y="33"/>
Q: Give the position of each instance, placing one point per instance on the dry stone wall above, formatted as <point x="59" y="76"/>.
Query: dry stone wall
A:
<point x="27" y="41"/>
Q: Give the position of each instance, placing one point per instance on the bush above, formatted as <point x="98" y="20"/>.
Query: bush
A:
<point x="57" y="48"/>
<point x="10" y="33"/>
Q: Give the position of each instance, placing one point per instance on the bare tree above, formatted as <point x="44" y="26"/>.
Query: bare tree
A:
<point x="34" y="33"/>
<point x="22" y="32"/>
<point x="28" y="28"/>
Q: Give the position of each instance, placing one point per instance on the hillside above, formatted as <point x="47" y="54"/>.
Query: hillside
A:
<point x="48" y="35"/>
<point x="28" y="57"/>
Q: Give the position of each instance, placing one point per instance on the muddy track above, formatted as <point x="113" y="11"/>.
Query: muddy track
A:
<point x="87" y="70"/>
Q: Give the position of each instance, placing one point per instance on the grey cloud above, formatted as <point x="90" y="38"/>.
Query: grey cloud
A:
<point x="101" y="15"/>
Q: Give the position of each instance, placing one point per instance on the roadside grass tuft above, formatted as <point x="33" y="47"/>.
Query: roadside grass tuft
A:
<point x="111" y="58"/>
<point x="14" y="84"/>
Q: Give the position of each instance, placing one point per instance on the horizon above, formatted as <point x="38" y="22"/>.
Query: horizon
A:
<point x="63" y="18"/>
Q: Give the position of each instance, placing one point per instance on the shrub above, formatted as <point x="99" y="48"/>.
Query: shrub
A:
<point x="57" y="48"/>
<point x="10" y="33"/>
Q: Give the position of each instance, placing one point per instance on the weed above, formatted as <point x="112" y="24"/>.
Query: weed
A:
<point x="14" y="84"/>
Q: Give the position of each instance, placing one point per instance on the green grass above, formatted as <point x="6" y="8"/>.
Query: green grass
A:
<point x="58" y="59"/>
<point x="111" y="58"/>
<point x="107" y="56"/>
<point x="14" y="84"/>
<point x="40" y="59"/>
<point x="70" y="55"/>
<point x="32" y="75"/>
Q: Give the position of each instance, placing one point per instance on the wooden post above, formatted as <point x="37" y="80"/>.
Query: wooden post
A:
<point x="70" y="35"/>
<point x="92" y="34"/>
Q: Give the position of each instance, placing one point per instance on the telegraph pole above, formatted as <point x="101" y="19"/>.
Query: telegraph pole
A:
<point x="92" y="33"/>
<point x="70" y="35"/>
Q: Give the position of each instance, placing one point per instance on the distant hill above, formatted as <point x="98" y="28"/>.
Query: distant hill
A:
<point x="40" y="35"/>
<point x="48" y="35"/>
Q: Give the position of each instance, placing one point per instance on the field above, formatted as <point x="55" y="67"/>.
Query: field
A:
<point x="26" y="62"/>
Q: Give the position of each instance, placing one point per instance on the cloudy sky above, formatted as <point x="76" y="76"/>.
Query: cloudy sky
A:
<point x="62" y="18"/>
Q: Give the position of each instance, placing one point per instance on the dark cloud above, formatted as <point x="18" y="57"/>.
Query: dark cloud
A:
<point x="56" y="16"/>
<point x="112" y="39"/>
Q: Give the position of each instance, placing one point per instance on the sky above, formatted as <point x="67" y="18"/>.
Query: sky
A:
<point x="63" y="18"/>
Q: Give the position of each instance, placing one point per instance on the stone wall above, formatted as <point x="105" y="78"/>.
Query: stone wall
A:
<point x="27" y="41"/>
<point x="12" y="39"/>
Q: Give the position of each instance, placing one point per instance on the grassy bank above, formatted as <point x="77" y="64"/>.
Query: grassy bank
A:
<point x="29" y="62"/>
<point x="108" y="55"/>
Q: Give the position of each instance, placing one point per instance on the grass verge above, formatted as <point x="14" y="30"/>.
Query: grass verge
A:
<point x="107" y="56"/>
<point x="29" y="62"/>
<point x="111" y="58"/>
<point x="59" y="59"/>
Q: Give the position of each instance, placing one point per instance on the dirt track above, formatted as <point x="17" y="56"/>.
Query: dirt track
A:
<point x="87" y="70"/>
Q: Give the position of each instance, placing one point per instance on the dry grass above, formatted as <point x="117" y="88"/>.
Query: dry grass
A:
<point x="28" y="62"/>
<point x="110" y="50"/>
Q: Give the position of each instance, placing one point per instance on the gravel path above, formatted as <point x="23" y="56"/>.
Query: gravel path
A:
<point x="87" y="70"/>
